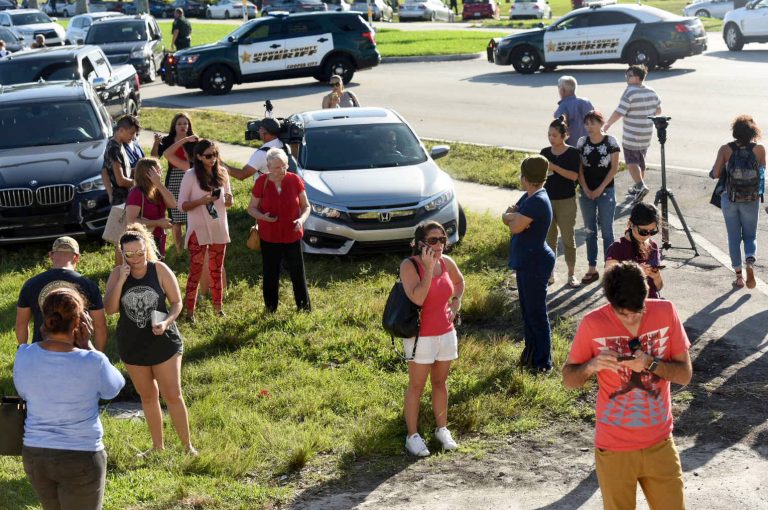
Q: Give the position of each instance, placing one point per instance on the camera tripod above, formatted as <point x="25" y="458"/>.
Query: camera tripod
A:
<point x="663" y="195"/>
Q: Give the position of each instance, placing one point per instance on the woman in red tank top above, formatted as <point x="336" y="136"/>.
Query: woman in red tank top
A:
<point x="433" y="281"/>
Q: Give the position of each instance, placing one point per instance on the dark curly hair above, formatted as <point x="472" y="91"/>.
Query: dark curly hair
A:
<point x="625" y="286"/>
<point x="745" y="130"/>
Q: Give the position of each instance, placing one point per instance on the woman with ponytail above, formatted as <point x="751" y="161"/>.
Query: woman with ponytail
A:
<point x="62" y="378"/>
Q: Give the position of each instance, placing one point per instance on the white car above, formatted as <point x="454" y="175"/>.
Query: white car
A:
<point x="226" y="9"/>
<point x="530" y="9"/>
<point x="746" y="25"/>
<point x="79" y="25"/>
<point x="370" y="182"/>
<point x="65" y="8"/>
<point x="709" y="8"/>
<point x="425" y="10"/>
<point x="30" y="23"/>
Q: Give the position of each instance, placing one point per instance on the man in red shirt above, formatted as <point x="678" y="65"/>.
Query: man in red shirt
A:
<point x="637" y="347"/>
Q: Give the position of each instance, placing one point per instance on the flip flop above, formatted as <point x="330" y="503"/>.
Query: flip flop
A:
<point x="590" y="278"/>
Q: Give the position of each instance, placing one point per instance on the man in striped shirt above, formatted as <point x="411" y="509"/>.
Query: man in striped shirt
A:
<point x="636" y="104"/>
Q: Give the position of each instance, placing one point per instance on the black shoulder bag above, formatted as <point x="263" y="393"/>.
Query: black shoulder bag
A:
<point x="13" y="411"/>
<point x="402" y="317"/>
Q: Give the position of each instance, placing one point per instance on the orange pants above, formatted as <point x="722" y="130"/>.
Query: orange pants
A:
<point x="216" y="253"/>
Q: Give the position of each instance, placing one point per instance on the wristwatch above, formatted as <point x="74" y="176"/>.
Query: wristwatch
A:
<point x="652" y="367"/>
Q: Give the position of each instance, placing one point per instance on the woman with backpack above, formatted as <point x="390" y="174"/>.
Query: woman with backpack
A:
<point x="743" y="162"/>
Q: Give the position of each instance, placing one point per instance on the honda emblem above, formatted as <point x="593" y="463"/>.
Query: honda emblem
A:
<point x="384" y="217"/>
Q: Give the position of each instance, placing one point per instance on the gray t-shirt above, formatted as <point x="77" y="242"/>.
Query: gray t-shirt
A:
<point x="636" y="104"/>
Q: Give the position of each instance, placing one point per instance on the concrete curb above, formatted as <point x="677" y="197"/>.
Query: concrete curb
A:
<point x="431" y="58"/>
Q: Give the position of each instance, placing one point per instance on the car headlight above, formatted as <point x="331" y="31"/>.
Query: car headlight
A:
<point x="188" y="59"/>
<point x="92" y="184"/>
<point x="439" y="202"/>
<point x="325" y="211"/>
<point x="140" y="53"/>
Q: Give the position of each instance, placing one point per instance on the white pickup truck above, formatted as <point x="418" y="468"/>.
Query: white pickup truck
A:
<point x="746" y="25"/>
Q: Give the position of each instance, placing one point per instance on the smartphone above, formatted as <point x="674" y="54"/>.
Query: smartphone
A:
<point x="658" y="267"/>
<point x="625" y="358"/>
<point x="216" y="193"/>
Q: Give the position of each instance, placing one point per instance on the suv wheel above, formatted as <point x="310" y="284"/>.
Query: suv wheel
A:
<point x="151" y="72"/>
<point x="642" y="53"/>
<point x="217" y="80"/>
<point x="733" y="38"/>
<point x="342" y="66"/>
<point x="525" y="60"/>
<point x="462" y="223"/>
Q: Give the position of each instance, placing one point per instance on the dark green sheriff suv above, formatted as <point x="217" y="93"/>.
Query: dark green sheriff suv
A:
<point x="276" y="48"/>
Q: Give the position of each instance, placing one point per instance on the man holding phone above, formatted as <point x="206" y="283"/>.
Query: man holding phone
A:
<point x="636" y="347"/>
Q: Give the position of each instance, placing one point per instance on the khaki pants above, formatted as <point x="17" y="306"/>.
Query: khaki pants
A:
<point x="564" y="218"/>
<point x="657" y="469"/>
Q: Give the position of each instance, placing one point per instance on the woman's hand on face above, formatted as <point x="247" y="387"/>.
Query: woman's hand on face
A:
<point x="269" y="218"/>
<point x="159" y="328"/>
<point x="154" y="177"/>
<point x="191" y="138"/>
<point x="429" y="257"/>
<point x="84" y="332"/>
<point x="125" y="271"/>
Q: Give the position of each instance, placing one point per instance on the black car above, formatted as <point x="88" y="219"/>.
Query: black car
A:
<point x="51" y="155"/>
<point x="117" y="87"/>
<point x="13" y="42"/>
<point x="135" y="40"/>
<point x="156" y="8"/>
<point x="192" y="9"/>
<point x="6" y="4"/>
<point x="276" y="48"/>
<point x="270" y="6"/>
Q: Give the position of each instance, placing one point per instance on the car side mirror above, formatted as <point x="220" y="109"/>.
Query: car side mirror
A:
<point x="20" y="37"/>
<point x="540" y="25"/>
<point x="99" y="83"/>
<point x="157" y="37"/>
<point x="79" y="42"/>
<point x="439" y="151"/>
<point x="231" y="38"/>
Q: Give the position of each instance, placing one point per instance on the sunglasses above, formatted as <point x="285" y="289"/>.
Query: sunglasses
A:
<point x="646" y="232"/>
<point x="209" y="156"/>
<point x="335" y="84"/>
<point x="434" y="240"/>
<point x="131" y="254"/>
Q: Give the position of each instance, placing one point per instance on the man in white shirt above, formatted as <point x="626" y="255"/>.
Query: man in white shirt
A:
<point x="257" y="165"/>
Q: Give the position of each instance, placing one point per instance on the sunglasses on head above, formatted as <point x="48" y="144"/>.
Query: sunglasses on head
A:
<point x="434" y="240"/>
<point x="646" y="232"/>
<point x="209" y="156"/>
<point x="135" y="253"/>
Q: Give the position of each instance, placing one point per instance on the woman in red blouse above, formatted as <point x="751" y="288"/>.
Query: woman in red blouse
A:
<point x="279" y="204"/>
<point x="148" y="201"/>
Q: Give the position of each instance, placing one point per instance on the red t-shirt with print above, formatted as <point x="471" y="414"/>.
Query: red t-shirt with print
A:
<point x="284" y="205"/>
<point x="634" y="409"/>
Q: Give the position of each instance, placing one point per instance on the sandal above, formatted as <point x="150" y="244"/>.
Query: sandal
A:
<point x="751" y="282"/>
<point x="590" y="278"/>
<point x="739" y="282"/>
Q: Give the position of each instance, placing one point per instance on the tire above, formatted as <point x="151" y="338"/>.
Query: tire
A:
<point x="462" y="223"/>
<point x="152" y="72"/>
<point x="526" y="60"/>
<point x="226" y="14"/>
<point x="733" y="38"/>
<point x="642" y="53"/>
<point x="131" y="108"/>
<point x="217" y="80"/>
<point x="66" y="13"/>
<point x="701" y="13"/>
<point x="340" y="65"/>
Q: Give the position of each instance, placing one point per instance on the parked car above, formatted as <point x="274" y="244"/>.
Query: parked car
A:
<point x="29" y="23"/>
<point x="628" y="33"/>
<point x="278" y="47"/>
<point x="425" y="10"/>
<point x="79" y="25"/>
<point x="291" y="6"/>
<point x="51" y="154"/>
<point x="116" y="86"/>
<point x="746" y="25"/>
<point x="106" y="6"/>
<point x="135" y="40"/>
<point x="479" y="9"/>
<point x="156" y="8"/>
<point x="708" y="9"/>
<point x="6" y="4"/>
<point x="192" y="9"/>
<point x="380" y="10"/>
<point x="530" y="9"/>
<point x="337" y="5"/>
<point x="225" y="9"/>
<point x="64" y="8"/>
<point x="13" y="42"/>
<point x="369" y="195"/>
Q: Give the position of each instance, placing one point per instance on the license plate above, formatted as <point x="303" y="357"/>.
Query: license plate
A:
<point x="477" y="15"/>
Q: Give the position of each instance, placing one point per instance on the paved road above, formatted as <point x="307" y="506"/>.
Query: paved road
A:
<point x="480" y="102"/>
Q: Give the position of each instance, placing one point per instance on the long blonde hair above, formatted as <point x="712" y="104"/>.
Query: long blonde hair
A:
<point x="138" y="232"/>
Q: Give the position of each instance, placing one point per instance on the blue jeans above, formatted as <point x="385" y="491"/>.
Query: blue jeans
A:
<point x="598" y="211"/>
<point x="741" y="224"/>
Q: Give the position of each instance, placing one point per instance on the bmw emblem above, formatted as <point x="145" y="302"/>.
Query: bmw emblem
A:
<point x="33" y="183"/>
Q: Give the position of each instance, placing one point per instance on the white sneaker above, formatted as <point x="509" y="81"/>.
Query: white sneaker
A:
<point x="415" y="446"/>
<point x="444" y="436"/>
<point x="573" y="282"/>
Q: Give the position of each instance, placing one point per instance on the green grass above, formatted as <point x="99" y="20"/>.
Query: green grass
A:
<point x="397" y="43"/>
<point x="333" y="382"/>
<point x="219" y="126"/>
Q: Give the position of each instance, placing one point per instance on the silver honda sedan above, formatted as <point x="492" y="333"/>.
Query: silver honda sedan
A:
<point x="370" y="181"/>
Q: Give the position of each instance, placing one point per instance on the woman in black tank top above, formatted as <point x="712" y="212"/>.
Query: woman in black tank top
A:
<point x="148" y="340"/>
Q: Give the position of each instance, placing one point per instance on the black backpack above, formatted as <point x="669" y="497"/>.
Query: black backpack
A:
<point x="743" y="174"/>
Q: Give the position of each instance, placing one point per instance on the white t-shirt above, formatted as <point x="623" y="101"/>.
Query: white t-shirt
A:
<point x="259" y="158"/>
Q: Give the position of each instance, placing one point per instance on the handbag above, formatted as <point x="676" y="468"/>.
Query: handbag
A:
<point x="13" y="412"/>
<point x="254" y="241"/>
<point x="715" y="199"/>
<point x="402" y="317"/>
<point x="116" y="222"/>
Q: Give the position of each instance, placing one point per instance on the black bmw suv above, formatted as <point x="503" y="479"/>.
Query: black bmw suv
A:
<point x="51" y="154"/>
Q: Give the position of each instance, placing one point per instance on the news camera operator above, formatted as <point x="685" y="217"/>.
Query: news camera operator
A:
<point x="257" y="165"/>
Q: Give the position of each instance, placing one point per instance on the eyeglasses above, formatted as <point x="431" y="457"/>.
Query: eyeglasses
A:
<point x="209" y="156"/>
<point x="434" y="240"/>
<point x="135" y="253"/>
<point x="646" y="232"/>
<point x="335" y="84"/>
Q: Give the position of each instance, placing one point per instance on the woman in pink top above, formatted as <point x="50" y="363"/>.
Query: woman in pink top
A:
<point x="205" y="195"/>
<point x="148" y="201"/>
<point x="433" y="281"/>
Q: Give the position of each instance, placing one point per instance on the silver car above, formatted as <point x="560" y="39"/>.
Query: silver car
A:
<point x="425" y="10"/>
<point x="709" y="9"/>
<point x="380" y="10"/>
<point x="370" y="181"/>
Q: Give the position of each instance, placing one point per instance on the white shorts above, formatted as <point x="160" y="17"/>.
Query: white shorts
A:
<point x="429" y="349"/>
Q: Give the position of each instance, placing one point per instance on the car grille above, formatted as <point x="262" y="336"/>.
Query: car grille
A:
<point x="55" y="195"/>
<point x="15" y="197"/>
<point x="50" y="34"/>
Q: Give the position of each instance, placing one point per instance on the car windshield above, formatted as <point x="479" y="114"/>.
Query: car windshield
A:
<point x="64" y="122"/>
<point x="360" y="146"/>
<point x="116" y="32"/>
<point x="29" y="18"/>
<point x="25" y="71"/>
<point x="242" y="30"/>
